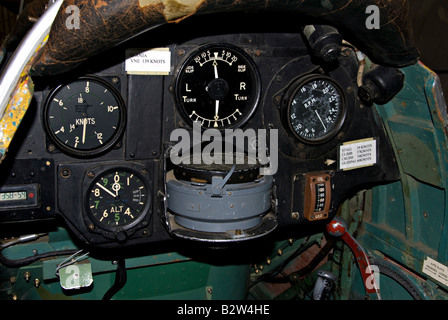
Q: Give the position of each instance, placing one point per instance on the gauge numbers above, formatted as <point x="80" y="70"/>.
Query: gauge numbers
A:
<point x="117" y="198"/>
<point x="84" y="117"/>
<point x="316" y="110"/>
<point x="217" y="86"/>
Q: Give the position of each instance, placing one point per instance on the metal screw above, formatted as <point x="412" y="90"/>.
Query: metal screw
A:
<point x="65" y="173"/>
<point x="277" y="99"/>
<point x="91" y="174"/>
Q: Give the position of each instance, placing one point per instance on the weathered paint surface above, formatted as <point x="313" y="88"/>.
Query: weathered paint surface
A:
<point x="16" y="109"/>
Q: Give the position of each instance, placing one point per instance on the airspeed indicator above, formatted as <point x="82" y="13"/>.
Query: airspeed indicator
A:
<point x="84" y="117"/>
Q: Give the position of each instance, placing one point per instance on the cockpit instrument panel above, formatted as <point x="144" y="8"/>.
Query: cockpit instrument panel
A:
<point x="95" y="148"/>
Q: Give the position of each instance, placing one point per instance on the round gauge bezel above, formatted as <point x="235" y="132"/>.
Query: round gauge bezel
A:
<point x="247" y="171"/>
<point x="101" y="148"/>
<point x="290" y="95"/>
<point x="255" y="75"/>
<point x="122" y="227"/>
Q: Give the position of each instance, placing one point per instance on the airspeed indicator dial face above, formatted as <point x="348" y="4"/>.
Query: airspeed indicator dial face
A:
<point x="316" y="110"/>
<point x="84" y="117"/>
<point x="217" y="86"/>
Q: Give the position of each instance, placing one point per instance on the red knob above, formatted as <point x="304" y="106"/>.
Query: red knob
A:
<point x="336" y="227"/>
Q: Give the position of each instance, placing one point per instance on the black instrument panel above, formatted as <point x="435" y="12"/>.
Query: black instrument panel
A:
<point x="107" y="173"/>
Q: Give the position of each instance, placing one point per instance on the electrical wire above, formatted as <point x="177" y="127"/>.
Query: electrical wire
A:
<point x="71" y="260"/>
<point x="29" y="260"/>
<point x="74" y="256"/>
<point x="15" y="263"/>
<point x="22" y="239"/>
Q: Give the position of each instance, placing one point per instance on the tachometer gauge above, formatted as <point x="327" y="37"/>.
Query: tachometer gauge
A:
<point x="315" y="109"/>
<point x="117" y="199"/>
<point x="217" y="86"/>
<point x="84" y="117"/>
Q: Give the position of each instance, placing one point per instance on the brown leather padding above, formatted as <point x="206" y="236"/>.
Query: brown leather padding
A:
<point x="106" y="23"/>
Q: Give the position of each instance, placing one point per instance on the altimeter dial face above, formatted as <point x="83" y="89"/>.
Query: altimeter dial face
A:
<point x="218" y="87"/>
<point x="316" y="110"/>
<point x="117" y="199"/>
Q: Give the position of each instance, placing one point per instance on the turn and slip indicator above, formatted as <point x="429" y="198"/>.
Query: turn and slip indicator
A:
<point x="317" y="196"/>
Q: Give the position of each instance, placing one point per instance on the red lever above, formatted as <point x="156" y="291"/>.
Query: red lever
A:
<point x="337" y="228"/>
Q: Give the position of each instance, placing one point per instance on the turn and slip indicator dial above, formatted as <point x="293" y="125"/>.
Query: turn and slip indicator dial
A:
<point x="217" y="86"/>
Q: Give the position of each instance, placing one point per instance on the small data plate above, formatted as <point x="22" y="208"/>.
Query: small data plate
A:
<point x="76" y="276"/>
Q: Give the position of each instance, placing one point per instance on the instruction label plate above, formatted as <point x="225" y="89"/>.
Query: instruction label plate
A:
<point x="150" y="62"/>
<point x="435" y="270"/>
<point x="357" y="154"/>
